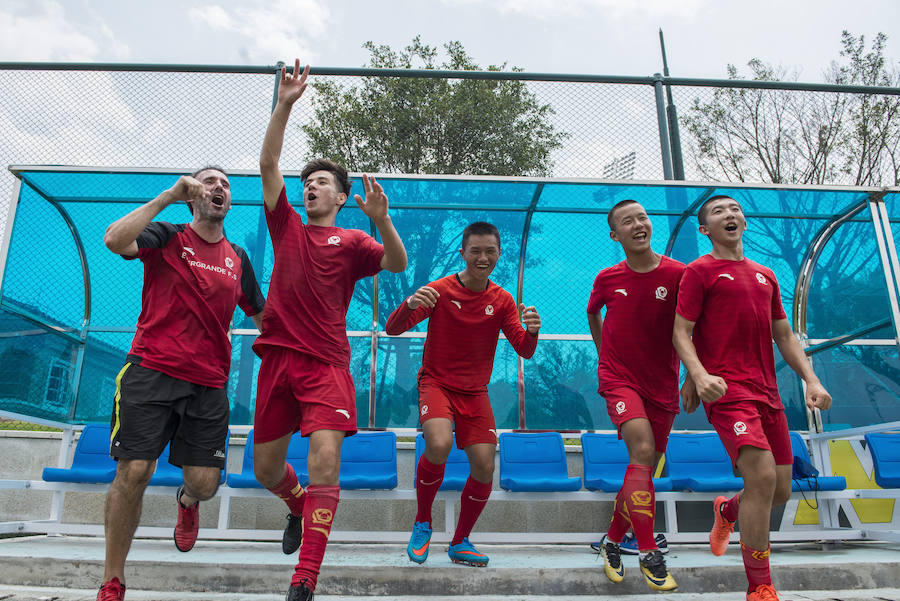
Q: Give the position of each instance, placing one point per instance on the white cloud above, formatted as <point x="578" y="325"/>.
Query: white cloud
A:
<point x="615" y="9"/>
<point x="42" y="31"/>
<point x="274" y="30"/>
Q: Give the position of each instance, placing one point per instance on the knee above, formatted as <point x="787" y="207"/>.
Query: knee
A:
<point x="134" y="473"/>
<point x="762" y="479"/>
<point x="268" y="474"/>
<point x="325" y="465"/>
<point x="482" y="469"/>
<point x="643" y="452"/>
<point x="202" y="489"/>
<point x="782" y="493"/>
<point x="437" y="449"/>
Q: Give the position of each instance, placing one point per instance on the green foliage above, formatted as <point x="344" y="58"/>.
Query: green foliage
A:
<point x="432" y="125"/>
<point x="781" y="136"/>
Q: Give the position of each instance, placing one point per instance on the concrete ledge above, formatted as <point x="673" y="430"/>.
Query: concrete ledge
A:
<point x="355" y="569"/>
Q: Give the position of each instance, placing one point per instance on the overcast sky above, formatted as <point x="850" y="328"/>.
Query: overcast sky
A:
<point x="558" y="36"/>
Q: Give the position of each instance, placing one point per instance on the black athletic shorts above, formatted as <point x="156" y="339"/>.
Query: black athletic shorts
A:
<point x="152" y="408"/>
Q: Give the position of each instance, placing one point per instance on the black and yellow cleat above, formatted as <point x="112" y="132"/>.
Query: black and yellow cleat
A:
<point x="653" y="567"/>
<point x="612" y="562"/>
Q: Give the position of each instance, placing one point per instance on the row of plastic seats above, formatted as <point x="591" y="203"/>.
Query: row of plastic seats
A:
<point x="529" y="462"/>
<point x="92" y="464"/>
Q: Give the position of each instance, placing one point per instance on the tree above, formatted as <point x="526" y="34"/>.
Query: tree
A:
<point x="430" y="125"/>
<point x="786" y="136"/>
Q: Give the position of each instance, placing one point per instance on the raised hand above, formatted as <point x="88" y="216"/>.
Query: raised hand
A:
<point x="187" y="189"/>
<point x="531" y="318"/>
<point x="426" y="296"/>
<point x="817" y="396"/>
<point x="375" y="205"/>
<point x="291" y="87"/>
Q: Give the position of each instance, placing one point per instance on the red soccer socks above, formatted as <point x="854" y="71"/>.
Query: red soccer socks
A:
<point x="318" y="515"/>
<point x="428" y="480"/>
<point x="474" y="497"/>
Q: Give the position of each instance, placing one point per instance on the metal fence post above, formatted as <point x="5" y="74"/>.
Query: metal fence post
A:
<point x="666" y="152"/>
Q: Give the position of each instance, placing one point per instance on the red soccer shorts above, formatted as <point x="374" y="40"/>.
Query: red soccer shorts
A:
<point x="295" y="391"/>
<point x="753" y="423"/>
<point x="624" y="404"/>
<point x="470" y="413"/>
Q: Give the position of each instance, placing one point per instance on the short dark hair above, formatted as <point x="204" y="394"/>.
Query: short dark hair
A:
<point x="198" y="172"/>
<point x="610" y="217"/>
<point x="480" y="228"/>
<point x="704" y="208"/>
<point x="338" y="171"/>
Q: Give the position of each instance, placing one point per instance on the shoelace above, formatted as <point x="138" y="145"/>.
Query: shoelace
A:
<point x="654" y="563"/>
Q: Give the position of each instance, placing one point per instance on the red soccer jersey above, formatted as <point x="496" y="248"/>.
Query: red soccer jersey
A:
<point x="462" y="333"/>
<point x="733" y="304"/>
<point x="636" y="339"/>
<point x="312" y="283"/>
<point x="191" y="288"/>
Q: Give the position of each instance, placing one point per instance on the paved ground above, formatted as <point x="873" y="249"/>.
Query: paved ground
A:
<point x="69" y="568"/>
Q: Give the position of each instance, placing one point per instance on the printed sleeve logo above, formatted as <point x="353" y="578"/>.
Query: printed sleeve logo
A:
<point x="726" y="275"/>
<point x="229" y="263"/>
<point x="621" y="291"/>
<point x="761" y="278"/>
<point x="489" y="310"/>
<point x="457" y="303"/>
<point x="334" y="240"/>
<point x="662" y="293"/>
<point x="620" y="407"/>
<point x="740" y="428"/>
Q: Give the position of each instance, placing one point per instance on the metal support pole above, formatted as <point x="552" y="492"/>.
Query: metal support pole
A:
<point x="672" y="114"/>
<point x="520" y="285"/>
<point x="664" y="148"/>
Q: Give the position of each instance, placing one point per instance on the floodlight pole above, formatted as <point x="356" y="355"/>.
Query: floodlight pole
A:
<point x="672" y="116"/>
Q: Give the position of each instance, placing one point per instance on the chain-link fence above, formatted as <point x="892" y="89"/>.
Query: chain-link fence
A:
<point x="519" y="124"/>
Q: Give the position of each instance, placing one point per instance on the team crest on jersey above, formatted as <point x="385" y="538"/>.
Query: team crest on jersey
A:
<point x="761" y="278"/>
<point x="661" y="293"/>
<point x="424" y="409"/>
<point x="229" y="263"/>
<point x="620" y="407"/>
<point x="489" y="310"/>
<point x="334" y="240"/>
<point x="740" y="428"/>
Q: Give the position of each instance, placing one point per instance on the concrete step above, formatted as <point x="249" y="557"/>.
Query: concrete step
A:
<point x="253" y="568"/>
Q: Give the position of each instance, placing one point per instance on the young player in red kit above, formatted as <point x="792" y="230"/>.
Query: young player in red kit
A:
<point x="172" y="387"/>
<point x="729" y="311"/>
<point x="638" y="375"/>
<point x="304" y="378"/>
<point x="466" y="313"/>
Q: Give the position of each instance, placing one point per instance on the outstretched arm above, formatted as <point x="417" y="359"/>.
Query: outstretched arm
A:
<point x="789" y="346"/>
<point x="375" y="206"/>
<point x="411" y="311"/>
<point x="121" y="235"/>
<point x="290" y="88"/>
<point x="710" y="388"/>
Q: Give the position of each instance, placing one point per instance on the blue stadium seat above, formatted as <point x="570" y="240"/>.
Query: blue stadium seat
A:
<point x="700" y="463"/>
<point x="885" y="450"/>
<point x="297" y="453"/>
<point x="534" y="462"/>
<point x="819" y="482"/>
<point x="91" y="462"/>
<point x="456" y="471"/>
<point x="369" y="461"/>
<point x="167" y="474"/>
<point x="605" y="459"/>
